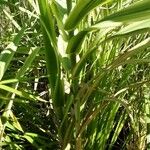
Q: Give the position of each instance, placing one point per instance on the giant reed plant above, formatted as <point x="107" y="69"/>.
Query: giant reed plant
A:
<point x="81" y="75"/>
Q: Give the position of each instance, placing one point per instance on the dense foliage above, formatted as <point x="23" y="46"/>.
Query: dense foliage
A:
<point x="75" y="74"/>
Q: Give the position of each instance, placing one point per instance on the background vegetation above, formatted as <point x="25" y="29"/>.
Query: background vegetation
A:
<point x="75" y="74"/>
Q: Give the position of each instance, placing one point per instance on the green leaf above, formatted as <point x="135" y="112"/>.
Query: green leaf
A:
<point x="21" y="93"/>
<point x="15" y="122"/>
<point x="79" y="66"/>
<point x="58" y="12"/>
<point x="134" y="50"/>
<point x="82" y="8"/>
<point x="52" y="56"/>
<point x="136" y="12"/>
<point x="75" y="43"/>
<point x="50" y="43"/>
<point x="27" y="63"/>
<point x="7" y="55"/>
<point x="143" y="26"/>
<point x="66" y="63"/>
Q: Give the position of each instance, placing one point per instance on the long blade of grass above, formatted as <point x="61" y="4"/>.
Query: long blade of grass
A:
<point x="52" y="56"/>
<point x="82" y="8"/>
<point x="7" y="55"/>
<point x="122" y="58"/>
<point x="137" y="13"/>
<point x="21" y="93"/>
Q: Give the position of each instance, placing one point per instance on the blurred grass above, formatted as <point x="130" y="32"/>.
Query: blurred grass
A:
<point x="79" y="76"/>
